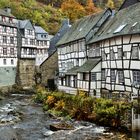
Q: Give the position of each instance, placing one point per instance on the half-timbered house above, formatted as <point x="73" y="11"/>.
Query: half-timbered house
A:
<point x="72" y="52"/>
<point x="26" y="53"/>
<point x="119" y="41"/>
<point x="8" y="47"/>
<point x="42" y="44"/>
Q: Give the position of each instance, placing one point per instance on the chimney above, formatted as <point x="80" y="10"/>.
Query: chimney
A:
<point x="8" y="10"/>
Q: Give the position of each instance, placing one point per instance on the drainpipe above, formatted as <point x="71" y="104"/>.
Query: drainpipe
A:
<point x="89" y="84"/>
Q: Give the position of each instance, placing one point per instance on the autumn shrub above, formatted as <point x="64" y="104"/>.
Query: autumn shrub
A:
<point x="60" y="105"/>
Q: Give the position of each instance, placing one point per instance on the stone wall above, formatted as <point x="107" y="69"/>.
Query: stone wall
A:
<point x="48" y="68"/>
<point x="26" y="72"/>
<point x="7" y="76"/>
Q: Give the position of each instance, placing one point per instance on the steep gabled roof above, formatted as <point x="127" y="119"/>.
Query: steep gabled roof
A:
<point x="128" y="3"/>
<point x="39" y="29"/>
<point x="80" y="29"/>
<point x="23" y="23"/>
<point x="89" y="65"/>
<point x="125" y="22"/>
<point x="63" y="29"/>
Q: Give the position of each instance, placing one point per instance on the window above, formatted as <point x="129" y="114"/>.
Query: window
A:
<point x="93" y="76"/>
<point x="4" y="61"/>
<point x="29" y="32"/>
<point x="11" y="40"/>
<point x="112" y="55"/>
<point x="42" y="36"/>
<point x="85" y="76"/>
<point x="12" y="30"/>
<point x="4" y="39"/>
<point x="135" y="52"/>
<point x="31" y="42"/>
<point x="12" y="62"/>
<point x="37" y="43"/>
<point x="26" y="41"/>
<point x="103" y="75"/>
<point x="3" y="19"/>
<point x="120" y="76"/>
<point x="25" y="51"/>
<point x="4" y="29"/>
<point x="11" y="51"/>
<point x="112" y="76"/>
<point x="103" y="55"/>
<point x="77" y="62"/>
<point x="120" y="54"/>
<point x="10" y="20"/>
<point x="4" y="51"/>
<point x="136" y="77"/>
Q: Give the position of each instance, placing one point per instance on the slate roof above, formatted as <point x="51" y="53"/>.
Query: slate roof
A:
<point x="4" y="13"/>
<point x="39" y="29"/>
<point x="129" y="16"/>
<point x="72" y="71"/>
<point x="22" y="23"/>
<point x="80" y="29"/>
<point x="89" y="65"/>
<point x="63" y="29"/>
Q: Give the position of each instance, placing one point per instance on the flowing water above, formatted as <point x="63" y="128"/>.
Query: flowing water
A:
<point x="21" y="119"/>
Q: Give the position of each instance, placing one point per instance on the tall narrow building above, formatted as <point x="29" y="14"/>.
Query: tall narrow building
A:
<point x="26" y="54"/>
<point x="42" y="44"/>
<point x="8" y="47"/>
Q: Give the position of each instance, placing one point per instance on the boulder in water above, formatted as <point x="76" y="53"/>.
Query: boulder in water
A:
<point x="61" y="126"/>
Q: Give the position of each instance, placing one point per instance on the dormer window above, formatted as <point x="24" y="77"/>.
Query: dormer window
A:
<point x="3" y="19"/>
<point x="29" y="32"/>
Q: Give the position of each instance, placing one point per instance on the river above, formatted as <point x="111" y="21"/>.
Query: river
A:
<point x="22" y="119"/>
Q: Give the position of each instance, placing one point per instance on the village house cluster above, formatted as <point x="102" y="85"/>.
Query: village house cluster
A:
<point x="100" y="54"/>
<point x="22" y="47"/>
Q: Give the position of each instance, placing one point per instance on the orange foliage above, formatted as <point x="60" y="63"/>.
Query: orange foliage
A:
<point x="90" y="8"/>
<point x="72" y="9"/>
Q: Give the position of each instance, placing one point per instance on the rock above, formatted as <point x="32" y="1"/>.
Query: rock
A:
<point x="61" y="126"/>
<point x="48" y="133"/>
<point x="8" y="133"/>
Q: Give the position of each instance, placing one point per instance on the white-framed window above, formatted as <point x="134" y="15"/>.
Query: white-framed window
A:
<point x="136" y="77"/>
<point x="112" y="75"/>
<point x="135" y="52"/>
<point x="120" y="76"/>
<point x="4" y="62"/>
<point x="120" y="53"/>
<point x="4" y="51"/>
<point x="103" y="75"/>
<point x="12" y="62"/>
<point x="93" y="76"/>
<point x="11" y="51"/>
<point x="4" y="39"/>
<point x="11" y="40"/>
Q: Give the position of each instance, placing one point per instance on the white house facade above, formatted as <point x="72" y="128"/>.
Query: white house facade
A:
<point x="119" y="43"/>
<point x="8" y="47"/>
<point x="72" y="53"/>
<point x="42" y="44"/>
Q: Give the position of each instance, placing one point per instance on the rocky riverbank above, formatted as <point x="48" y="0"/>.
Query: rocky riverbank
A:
<point x="22" y="119"/>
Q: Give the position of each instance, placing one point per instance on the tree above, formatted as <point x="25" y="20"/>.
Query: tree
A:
<point x="110" y="4"/>
<point x="90" y="8"/>
<point x="72" y="9"/>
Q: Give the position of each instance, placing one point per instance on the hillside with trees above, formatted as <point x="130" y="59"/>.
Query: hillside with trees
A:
<point x="50" y="13"/>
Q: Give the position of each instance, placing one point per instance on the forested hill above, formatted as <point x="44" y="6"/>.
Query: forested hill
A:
<point x="50" y="13"/>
